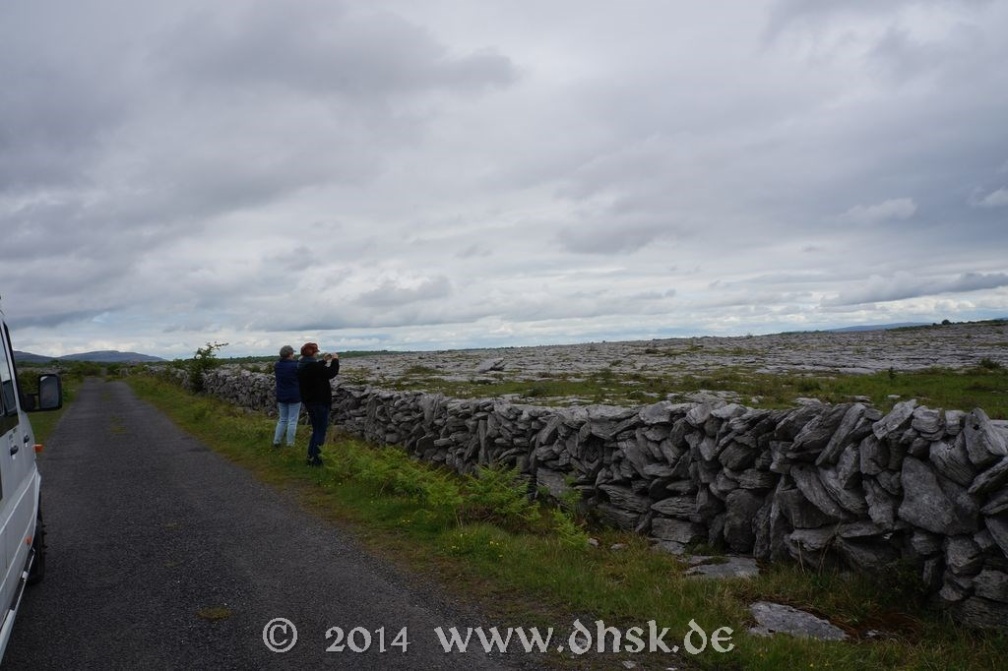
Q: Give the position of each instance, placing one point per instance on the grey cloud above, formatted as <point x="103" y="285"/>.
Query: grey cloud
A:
<point x="905" y="58"/>
<point x="785" y="13"/>
<point x="84" y="224"/>
<point x="392" y="293"/>
<point x="998" y="198"/>
<point x="610" y="238"/>
<point x="54" y="115"/>
<point x="654" y="295"/>
<point x="50" y="318"/>
<point x="278" y="98"/>
<point x="884" y="289"/>
<point x="284" y="323"/>
<point x="297" y="258"/>
<point x="90" y="269"/>
<point x="890" y="210"/>
<point x="227" y="109"/>
<point x="324" y="48"/>
<point x="474" y="250"/>
<point x="976" y="281"/>
<point x="804" y="278"/>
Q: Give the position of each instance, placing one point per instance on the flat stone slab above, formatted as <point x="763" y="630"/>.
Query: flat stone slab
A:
<point x="724" y="567"/>
<point x="774" y="618"/>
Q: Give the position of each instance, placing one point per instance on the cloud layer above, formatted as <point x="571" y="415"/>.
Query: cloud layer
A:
<point x="432" y="174"/>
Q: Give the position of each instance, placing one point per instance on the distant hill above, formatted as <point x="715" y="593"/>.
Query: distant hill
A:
<point x="101" y="356"/>
<point x="27" y="357"/>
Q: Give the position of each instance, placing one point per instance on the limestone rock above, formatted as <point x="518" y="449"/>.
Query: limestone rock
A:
<point x="992" y="479"/>
<point x="997" y="525"/>
<point x="741" y="507"/>
<point x="897" y="418"/>
<point x="850" y="499"/>
<point x="985" y="444"/>
<point x="554" y="481"/>
<point x="819" y="432"/>
<point x="874" y="455"/>
<point x="962" y="556"/>
<point x="795" y="422"/>
<point x="799" y="512"/>
<point x="752" y="478"/>
<point x="951" y="460"/>
<point x="996" y="504"/>
<point x="925" y="544"/>
<point x="772" y="618"/>
<point x="679" y="531"/>
<point x="656" y="413"/>
<point x="770" y="527"/>
<point x="991" y="584"/>
<point x="808" y="546"/>
<point x="983" y="613"/>
<point x="930" y="505"/>
<point x="491" y="365"/>
<point x="929" y="423"/>
<point x="806" y="477"/>
<point x="867" y="556"/>
<point x="676" y="506"/>
<point x="882" y="506"/>
<point x="845" y="433"/>
<point x="727" y="567"/>
<point x="618" y="517"/>
<point x="670" y="547"/>
<point x="738" y="456"/>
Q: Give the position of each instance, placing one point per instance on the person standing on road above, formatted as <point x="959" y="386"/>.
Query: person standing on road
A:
<point x="288" y="396"/>
<point x="314" y="376"/>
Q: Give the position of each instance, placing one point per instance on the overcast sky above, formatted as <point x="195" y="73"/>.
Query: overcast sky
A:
<point x="440" y="174"/>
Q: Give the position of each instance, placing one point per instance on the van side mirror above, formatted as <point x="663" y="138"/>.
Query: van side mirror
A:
<point x="49" y="396"/>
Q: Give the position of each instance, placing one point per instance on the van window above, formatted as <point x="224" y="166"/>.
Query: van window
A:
<point x="8" y="394"/>
<point x="8" y="391"/>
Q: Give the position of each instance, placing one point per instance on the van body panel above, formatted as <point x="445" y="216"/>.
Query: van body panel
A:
<point x="20" y="483"/>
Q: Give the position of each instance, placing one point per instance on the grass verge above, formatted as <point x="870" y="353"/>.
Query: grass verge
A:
<point x="524" y="566"/>
<point x="44" y="422"/>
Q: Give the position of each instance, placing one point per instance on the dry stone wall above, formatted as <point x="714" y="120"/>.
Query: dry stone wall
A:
<point x="819" y="484"/>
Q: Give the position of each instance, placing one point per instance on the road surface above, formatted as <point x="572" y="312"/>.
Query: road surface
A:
<point x="163" y="555"/>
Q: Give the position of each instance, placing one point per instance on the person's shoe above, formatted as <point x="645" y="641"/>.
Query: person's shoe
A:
<point x="316" y="462"/>
<point x="276" y="445"/>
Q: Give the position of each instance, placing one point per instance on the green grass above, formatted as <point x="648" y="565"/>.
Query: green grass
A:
<point x="524" y="566"/>
<point x="43" y="423"/>
<point x="935" y="388"/>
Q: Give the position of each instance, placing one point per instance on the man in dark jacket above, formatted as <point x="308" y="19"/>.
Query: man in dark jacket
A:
<point x="314" y="376"/>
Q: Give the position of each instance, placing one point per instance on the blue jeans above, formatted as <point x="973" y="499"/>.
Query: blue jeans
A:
<point x="318" y="413"/>
<point x="287" y="422"/>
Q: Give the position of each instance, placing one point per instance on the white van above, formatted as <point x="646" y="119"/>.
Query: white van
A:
<point x="22" y="538"/>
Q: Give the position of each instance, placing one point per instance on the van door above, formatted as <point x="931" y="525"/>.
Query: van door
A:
<point x="17" y="502"/>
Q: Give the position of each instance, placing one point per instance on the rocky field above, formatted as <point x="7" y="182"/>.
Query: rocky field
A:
<point x="951" y="346"/>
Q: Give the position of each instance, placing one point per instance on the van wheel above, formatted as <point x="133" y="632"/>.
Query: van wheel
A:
<point x="37" y="571"/>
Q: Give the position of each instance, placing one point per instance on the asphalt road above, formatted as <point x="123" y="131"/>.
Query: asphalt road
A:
<point x="163" y="555"/>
